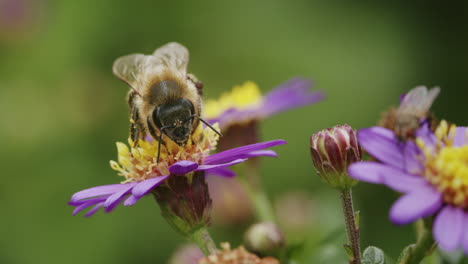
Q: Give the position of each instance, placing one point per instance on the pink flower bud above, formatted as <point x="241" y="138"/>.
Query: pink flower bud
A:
<point x="333" y="150"/>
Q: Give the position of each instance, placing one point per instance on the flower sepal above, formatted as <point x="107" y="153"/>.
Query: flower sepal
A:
<point x="185" y="202"/>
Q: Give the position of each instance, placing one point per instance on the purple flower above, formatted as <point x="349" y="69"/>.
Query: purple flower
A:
<point x="431" y="172"/>
<point x="245" y="103"/>
<point x="143" y="174"/>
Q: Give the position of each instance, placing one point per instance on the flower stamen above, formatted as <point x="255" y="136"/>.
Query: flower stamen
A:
<point x="447" y="166"/>
<point x="138" y="163"/>
<point x="241" y="97"/>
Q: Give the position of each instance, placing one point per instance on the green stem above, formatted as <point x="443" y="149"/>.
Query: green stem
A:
<point x="262" y="205"/>
<point x="423" y="247"/>
<point x="420" y="228"/>
<point x="352" y="229"/>
<point x="202" y="238"/>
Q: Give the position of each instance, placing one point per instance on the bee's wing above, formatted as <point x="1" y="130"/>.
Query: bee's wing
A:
<point x="418" y="100"/>
<point x="127" y="68"/>
<point x="173" y="55"/>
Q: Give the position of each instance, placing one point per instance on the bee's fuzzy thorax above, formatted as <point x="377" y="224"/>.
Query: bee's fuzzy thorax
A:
<point x="184" y="89"/>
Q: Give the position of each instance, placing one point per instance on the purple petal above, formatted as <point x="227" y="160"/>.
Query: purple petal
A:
<point x="292" y="94"/>
<point x="131" y="200"/>
<point x="80" y="202"/>
<point x="425" y="133"/>
<point x="460" y="137"/>
<point x="145" y="186"/>
<point x="367" y="171"/>
<point x="87" y="203"/>
<point x="233" y="115"/>
<point x="412" y="156"/>
<point x="222" y="165"/>
<point x="260" y="153"/>
<point x="183" y="167"/>
<point x="465" y="233"/>
<point x="225" y="118"/>
<point x="94" y="209"/>
<point x="235" y="153"/>
<point x="115" y="198"/>
<point x="402" y="182"/>
<point x="414" y="205"/>
<point x="293" y="86"/>
<point x="383" y="144"/>
<point x="448" y="227"/>
<point x="402" y="97"/>
<point x="379" y="173"/>
<point x="97" y="191"/>
<point x="148" y="137"/>
<point x="223" y="172"/>
<point x="271" y="107"/>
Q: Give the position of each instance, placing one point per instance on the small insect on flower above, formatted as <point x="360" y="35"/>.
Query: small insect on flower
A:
<point x="163" y="99"/>
<point x="412" y="112"/>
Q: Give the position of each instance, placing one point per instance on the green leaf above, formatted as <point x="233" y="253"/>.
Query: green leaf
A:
<point x="356" y="219"/>
<point x="373" y="255"/>
<point x="349" y="252"/>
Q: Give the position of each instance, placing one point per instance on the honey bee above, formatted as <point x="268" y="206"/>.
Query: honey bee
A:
<point x="164" y="98"/>
<point x="413" y="109"/>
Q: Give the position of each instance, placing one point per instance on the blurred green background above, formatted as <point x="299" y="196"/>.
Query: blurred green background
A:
<point x="62" y="109"/>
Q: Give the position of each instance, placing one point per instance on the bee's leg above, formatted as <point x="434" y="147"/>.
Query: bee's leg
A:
<point x="137" y="130"/>
<point x="152" y="131"/>
<point x="198" y="84"/>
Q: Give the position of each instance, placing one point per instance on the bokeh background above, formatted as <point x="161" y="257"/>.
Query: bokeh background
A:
<point x="62" y="109"/>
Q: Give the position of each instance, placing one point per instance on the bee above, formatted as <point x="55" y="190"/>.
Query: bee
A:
<point x="163" y="98"/>
<point x="414" y="109"/>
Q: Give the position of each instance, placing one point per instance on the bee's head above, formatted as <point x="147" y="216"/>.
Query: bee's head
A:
<point x="175" y="119"/>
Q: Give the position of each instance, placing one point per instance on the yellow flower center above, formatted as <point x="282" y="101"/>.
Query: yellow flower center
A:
<point x="241" y="97"/>
<point x="447" y="166"/>
<point x="139" y="163"/>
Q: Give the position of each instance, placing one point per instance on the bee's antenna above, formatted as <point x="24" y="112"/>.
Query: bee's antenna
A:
<point x="207" y="124"/>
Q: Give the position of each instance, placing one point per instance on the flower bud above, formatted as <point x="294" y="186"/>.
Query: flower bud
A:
<point x="333" y="150"/>
<point x="185" y="202"/>
<point x="264" y="238"/>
